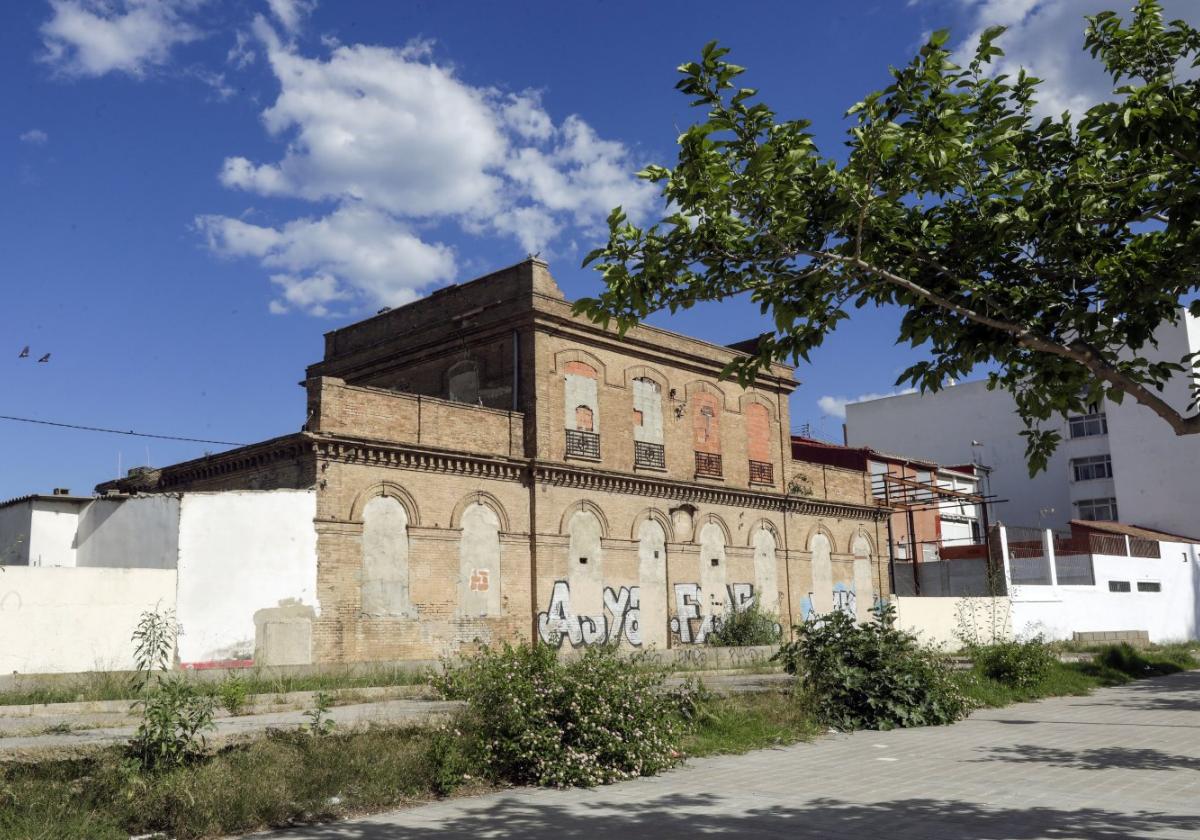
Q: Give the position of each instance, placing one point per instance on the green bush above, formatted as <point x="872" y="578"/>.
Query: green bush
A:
<point x="746" y="627"/>
<point x="532" y="718"/>
<point x="870" y="675"/>
<point x="232" y="692"/>
<point x="1017" y="664"/>
<point x="174" y="718"/>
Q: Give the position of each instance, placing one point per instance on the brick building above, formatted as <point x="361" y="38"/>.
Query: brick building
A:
<point x="488" y="466"/>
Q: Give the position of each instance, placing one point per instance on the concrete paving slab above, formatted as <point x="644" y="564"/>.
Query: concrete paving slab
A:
<point x="1120" y="763"/>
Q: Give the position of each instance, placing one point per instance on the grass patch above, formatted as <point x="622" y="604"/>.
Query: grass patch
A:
<point x="282" y="779"/>
<point x="745" y="722"/>
<point x="1113" y="665"/>
<point x="118" y="685"/>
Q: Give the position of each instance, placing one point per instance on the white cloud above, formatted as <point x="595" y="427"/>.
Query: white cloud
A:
<point x="836" y="406"/>
<point x="291" y="13"/>
<point x="399" y="142"/>
<point x="241" y="54"/>
<point x="34" y="137"/>
<point x="355" y="250"/>
<point x="94" y="37"/>
<point x="1046" y="38"/>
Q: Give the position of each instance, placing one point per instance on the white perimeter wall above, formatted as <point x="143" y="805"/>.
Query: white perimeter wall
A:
<point x="239" y="553"/>
<point x="1170" y="615"/>
<point x="940" y="427"/>
<point x="943" y="622"/>
<point x="61" y="620"/>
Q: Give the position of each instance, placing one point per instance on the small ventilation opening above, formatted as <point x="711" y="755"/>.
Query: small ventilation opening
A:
<point x="582" y="561"/>
<point x="715" y="561"/>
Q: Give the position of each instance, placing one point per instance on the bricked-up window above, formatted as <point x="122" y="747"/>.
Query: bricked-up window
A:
<point x="758" y="444"/>
<point x="758" y="432"/>
<point x="647" y="411"/>
<point x="581" y="397"/>
<point x="706" y="423"/>
<point x="462" y="382"/>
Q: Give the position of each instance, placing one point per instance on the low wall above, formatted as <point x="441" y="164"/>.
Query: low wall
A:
<point x="943" y="622"/>
<point x="1160" y="595"/>
<point x="63" y="619"/>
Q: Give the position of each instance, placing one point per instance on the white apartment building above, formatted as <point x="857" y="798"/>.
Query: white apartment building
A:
<point x="1119" y="462"/>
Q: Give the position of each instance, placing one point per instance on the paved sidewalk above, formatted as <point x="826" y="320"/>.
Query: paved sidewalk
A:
<point x="1120" y="763"/>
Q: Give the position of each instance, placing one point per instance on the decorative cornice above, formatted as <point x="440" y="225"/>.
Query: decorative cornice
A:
<point x="399" y="456"/>
<point x="641" y="485"/>
<point x="255" y="456"/>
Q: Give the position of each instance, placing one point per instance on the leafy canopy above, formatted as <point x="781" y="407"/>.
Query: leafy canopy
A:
<point x="1050" y="249"/>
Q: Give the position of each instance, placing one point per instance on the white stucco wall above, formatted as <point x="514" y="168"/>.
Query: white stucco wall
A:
<point x="62" y="620"/>
<point x="1170" y="615"/>
<point x="140" y="532"/>
<point x="1155" y="471"/>
<point x="240" y="554"/>
<point x="52" y="532"/>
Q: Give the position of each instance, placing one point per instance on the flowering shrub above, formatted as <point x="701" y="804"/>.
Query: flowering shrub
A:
<point x="871" y="675"/>
<point x="532" y="718"/>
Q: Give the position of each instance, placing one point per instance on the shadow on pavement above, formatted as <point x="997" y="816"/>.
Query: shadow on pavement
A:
<point x="699" y="815"/>
<point x="1105" y="758"/>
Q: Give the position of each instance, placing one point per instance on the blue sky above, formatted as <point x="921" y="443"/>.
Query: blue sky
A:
<point x="192" y="192"/>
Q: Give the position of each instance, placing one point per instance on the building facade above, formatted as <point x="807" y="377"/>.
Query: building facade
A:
<point x="1117" y="462"/>
<point x="488" y="466"/>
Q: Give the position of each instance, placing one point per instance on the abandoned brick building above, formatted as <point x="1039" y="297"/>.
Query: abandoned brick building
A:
<point x="488" y="466"/>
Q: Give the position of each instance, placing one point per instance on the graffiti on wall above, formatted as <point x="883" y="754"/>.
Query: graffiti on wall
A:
<point x="844" y="600"/>
<point x="621" y="617"/>
<point x="692" y="623"/>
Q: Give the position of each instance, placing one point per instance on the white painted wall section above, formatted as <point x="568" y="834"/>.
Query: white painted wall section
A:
<point x="241" y="553"/>
<point x="66" y="620"/>
<point x="140" y="532"/>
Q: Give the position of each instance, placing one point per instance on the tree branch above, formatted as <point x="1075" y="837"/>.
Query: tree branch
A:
<point x="1077" y="351"/>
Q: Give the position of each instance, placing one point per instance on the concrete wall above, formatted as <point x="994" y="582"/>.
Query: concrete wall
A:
<point x="247" y="576"/>
<point x="947" y="622"/>
<point x="14" y="534"/>
<point x="56" y="620"/>
<point x="140" y="532"/>
<point x="1172" y="614"/>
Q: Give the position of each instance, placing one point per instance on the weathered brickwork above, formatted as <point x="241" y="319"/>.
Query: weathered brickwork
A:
<point x="450" y="511"/>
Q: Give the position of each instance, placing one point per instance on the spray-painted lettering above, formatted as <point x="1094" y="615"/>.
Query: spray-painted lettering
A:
<point x="559" y="621"/>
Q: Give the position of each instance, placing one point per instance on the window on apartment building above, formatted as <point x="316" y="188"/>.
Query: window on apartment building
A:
<point x="1118" y="586"/>
<point x="1094" y="466"/>
<point x="1097" y="509"/>
<point x="1089" y="425"/>
<point x="1149" y="586"/>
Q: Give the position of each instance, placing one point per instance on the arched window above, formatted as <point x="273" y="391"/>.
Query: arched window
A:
<point x="385" y="591"/>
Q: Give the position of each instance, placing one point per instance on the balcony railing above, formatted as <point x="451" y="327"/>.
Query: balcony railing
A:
<point x="708" y="465"/>
<point x="649" y="455"/>
<point x="582" y="444"/>
<point x="762" y="472"/>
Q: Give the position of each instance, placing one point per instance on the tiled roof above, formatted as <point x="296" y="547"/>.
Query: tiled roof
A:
<point x="1109" y="527"/>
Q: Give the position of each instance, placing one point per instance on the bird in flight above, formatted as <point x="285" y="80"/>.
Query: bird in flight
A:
<point x="45" y="358"/>
<point x="24" y="354"/>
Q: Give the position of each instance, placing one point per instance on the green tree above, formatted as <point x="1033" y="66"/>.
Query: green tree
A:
<point x="1047" y="248"/>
